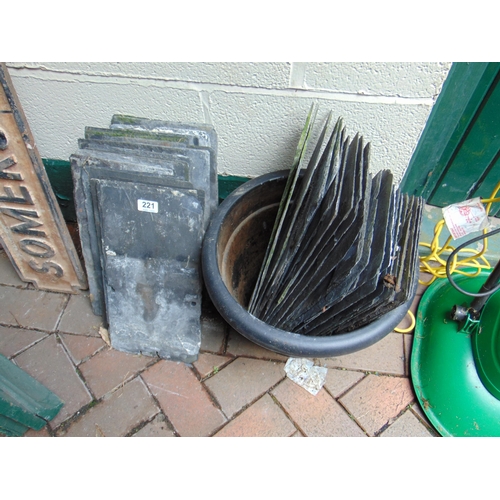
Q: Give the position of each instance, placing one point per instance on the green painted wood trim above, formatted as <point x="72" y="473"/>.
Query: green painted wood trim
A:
<point x="24" y="399"/>
<point x="461" y="95"/>
<point x="488" y="184"/>
<point x="476" y="155"/>
<point x="11" y="428"/>
<point x="59" y="173"/>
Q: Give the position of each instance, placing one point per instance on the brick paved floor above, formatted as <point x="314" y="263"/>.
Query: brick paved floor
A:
<point x="235" y="388"/>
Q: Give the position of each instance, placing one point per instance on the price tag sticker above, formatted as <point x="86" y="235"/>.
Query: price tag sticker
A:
<point x="147" y="206"/>
<point x="465" y="217"/>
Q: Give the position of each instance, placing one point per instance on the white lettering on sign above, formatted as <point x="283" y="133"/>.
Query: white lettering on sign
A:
<point x="147" y="206"/>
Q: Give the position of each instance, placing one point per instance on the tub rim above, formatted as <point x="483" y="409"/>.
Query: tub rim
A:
<point x="267" y="336"/>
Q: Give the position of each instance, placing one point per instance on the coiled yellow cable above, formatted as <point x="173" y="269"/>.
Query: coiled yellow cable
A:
<point x="410" y="328"/>
<point x="435" y="262"/>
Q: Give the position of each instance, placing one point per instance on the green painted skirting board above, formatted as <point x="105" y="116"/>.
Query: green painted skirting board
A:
<point x="59" y="173"/>
<point x="228" y="183"/>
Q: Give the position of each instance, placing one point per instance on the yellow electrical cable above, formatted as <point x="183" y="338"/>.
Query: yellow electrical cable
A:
<point x="435" y="265"/>
<point x="410" y="328"/>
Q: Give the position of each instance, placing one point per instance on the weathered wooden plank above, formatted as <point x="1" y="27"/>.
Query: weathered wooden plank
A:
<point x="32" y="229"/>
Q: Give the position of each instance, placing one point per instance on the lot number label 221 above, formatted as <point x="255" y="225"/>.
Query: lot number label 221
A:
<point x="147" y="206"/>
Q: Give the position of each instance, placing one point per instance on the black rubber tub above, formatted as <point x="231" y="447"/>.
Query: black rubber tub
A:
<point x="233" y="250"/>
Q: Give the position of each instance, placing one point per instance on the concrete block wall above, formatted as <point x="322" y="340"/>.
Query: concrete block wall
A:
<point x="257" y="109"/>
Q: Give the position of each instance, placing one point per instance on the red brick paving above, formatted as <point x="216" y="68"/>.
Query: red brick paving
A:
<point x="408" y="345"/>
<point x="316" y="416"/>
<point x="109" y="369"/>
<point x="158" y="427"/>
<point x="14" y="340"/>
<point x="48" y="362"/>
<point x="208" y="363"/>
<point x="339" y="381"/>
<point x="41" y="433"/>
<point x="118" y="414"/>
<point x="243" y="381"/>
<point x="78" y="317"/>
<point x="183" y="399"/>
<point x="385" y="356"/>
<point x="8" y="275"/>
<point x="263" y="419"/>
<point x="376" y="400"/>
<point x="81" y="347"/>
<point x="213" y="334"/>
<point x="31" y="308"/>
<point x="235" y="388"/>
<point x="407" y="425"/>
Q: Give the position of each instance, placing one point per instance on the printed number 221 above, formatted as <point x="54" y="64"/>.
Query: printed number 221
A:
<point x="147" y="206"/>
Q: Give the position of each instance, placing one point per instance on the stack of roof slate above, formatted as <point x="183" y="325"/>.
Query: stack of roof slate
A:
<point x="145" y="191"/>
<point x="344" y="248"/>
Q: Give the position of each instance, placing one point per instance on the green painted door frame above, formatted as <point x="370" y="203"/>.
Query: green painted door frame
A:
<point x="457" y="156"/>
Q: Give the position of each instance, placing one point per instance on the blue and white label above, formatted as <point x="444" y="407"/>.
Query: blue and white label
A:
<point x="147" y="206"/>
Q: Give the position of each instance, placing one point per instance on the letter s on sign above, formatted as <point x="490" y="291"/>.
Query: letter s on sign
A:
<point x="46" y="267"/>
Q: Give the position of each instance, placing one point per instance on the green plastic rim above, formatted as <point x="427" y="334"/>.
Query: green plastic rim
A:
<point x="443" y="369"/>
<point x="486" y="346"/>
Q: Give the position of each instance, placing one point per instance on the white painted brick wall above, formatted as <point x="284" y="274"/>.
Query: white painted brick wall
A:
<point x="257" y="109"/>
<point x="411" y="80"/>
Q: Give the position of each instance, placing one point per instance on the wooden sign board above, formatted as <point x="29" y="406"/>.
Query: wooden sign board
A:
<point x="32" y="229"/>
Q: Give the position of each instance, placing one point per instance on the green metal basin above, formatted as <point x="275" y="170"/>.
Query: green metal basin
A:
<point x="443" y="366"/>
